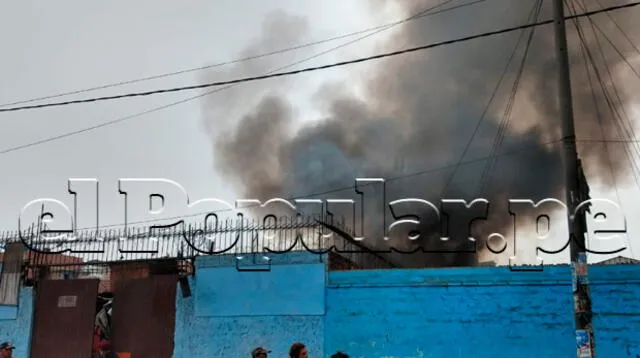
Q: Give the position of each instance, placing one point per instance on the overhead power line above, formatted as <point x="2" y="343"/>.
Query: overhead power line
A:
<point x="533" y="17"/>
<point x="512" y="151"/>
<point x="422" y="14"/>
<point x="505" y="121"/>
<point x="635" y="47"/>
<point x="586" y="56"/>
<point x="323" y="67"/>
<point x="429" y="10"/>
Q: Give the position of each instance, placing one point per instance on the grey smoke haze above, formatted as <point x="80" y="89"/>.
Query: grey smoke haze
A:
<point x="418" y="112"/>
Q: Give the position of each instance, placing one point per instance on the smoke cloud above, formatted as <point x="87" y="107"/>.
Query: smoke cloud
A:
<point x="420" y="110"/>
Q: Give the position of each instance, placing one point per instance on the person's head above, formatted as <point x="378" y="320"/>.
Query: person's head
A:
<point x="298" y="350"/>
<point x="339" y="355"/>
<point x="259" y="352"/>
<point x="6" y="350"/>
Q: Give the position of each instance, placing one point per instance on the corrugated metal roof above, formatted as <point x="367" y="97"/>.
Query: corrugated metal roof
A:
<point x="620" y="260"/>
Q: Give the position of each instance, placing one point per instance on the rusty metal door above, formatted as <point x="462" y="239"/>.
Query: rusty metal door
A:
<point x="143" y="318"/>
<point x="64" y="318"/>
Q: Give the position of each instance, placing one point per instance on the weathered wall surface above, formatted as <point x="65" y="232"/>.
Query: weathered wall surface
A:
<point x="462" y="312"/>
<point x="15" y="323"/>
<point x="231" y="311"/>
<point x="479" y="312"/>
<point x="615" y="294"/>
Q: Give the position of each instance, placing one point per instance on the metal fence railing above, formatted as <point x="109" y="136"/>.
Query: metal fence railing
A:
<point x="89" y="252"/>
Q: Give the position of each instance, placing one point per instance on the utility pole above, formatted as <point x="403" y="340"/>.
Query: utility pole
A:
<point x="575" y="192"/>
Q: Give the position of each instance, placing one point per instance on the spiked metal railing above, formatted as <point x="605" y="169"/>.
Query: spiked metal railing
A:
<point x="89" y="251"/>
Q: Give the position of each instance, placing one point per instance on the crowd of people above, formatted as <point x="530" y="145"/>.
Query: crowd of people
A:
<point x="297" y="350"/>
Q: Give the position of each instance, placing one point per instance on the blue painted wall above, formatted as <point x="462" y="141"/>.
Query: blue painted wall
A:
<point x="615" y="294"/>
<point x="231" y="311"/>
<point x="462" y="312"/>
<point x="15" y="323"/>
<point x="479" y="312"/>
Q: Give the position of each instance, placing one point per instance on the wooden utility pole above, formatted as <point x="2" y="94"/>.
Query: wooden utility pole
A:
<point x="575" y="192"/>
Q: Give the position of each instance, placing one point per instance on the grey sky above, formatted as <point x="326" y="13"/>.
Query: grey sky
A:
<point x="71" y="45"/>
<point x="52" y="47"/>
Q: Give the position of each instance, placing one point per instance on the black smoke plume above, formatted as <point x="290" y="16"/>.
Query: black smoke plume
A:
<point x="418" y="111"/>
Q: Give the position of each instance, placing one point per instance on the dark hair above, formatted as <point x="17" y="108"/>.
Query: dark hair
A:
<point x="339" y="355"/>
<point x="295" y="349"/>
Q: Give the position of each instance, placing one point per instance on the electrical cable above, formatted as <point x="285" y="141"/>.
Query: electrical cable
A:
<point x="594" y="97"/>
<point x="621" y="122"/>
<point x="612" y="108"/>
<point x="599" y="114"/>
<point x="526" y="26"/>
<point x="506" y="117"/>
<point x="191" y="98"/>
<point x="624" y="115"/>
<point x="419" y="15"/>
<point x="630" y="247"/>
<point x="515" y="150"/>
<point x="317" y="68"/>
<point x="586" y="56"/>
<point x="530" y="18"/>
<point x="351" y="187"/>
<point x="593" y="24"/>
<point x="635" y="47"/>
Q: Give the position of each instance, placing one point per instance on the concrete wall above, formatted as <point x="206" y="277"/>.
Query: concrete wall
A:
<point x="463" y="312"/>
<point x="479" y="312"/>
<point x="16" y="322"/>
<point x="231" y="311"/>
<point x="615" y="294"/>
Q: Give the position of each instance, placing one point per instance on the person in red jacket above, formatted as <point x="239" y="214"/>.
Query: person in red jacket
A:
<point x="101" y="346"/>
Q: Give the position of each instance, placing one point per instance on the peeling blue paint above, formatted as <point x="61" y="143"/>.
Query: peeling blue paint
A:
<point x="461" y="312"/>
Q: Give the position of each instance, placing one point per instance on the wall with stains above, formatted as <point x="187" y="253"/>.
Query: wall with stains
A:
<point x="615" y="295"/>
<point x="15" y="323"/>
<point x="457" y="312"/>
<point x="236" y="306"/>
